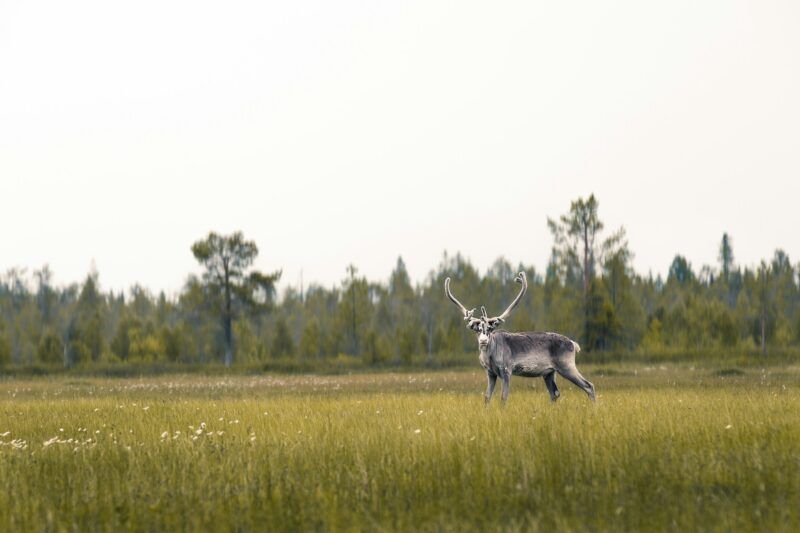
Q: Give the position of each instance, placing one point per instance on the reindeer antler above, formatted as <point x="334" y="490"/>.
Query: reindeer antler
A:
<point x="467" y="313"/>
<point x="497" y="320"/>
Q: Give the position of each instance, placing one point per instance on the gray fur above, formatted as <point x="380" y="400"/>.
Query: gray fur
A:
<point x="552" y="388"/>
<point x="531" y="354"/>
<point x="526" y="354"/>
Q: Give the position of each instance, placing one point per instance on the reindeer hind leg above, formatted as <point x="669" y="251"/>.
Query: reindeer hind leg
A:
<point x="571" y="373"/>
<point x="550" y="382"/>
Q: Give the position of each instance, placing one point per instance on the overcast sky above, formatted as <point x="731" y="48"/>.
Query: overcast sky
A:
<point x="339" y="132"/>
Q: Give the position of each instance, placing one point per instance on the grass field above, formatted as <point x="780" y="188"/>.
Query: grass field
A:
<point x="663" y="448"/>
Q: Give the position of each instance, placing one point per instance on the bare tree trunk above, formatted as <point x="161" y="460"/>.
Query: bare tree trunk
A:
<point x="430" y="341"/>
<point x="355" y="334"/>
<point x="764" y="296"/>
<point x="228" y="327"/>
<point x="67" y="337"/>
<point x="586" y="275"/>
<point x="353" y="309"/>
<point x="585" y="262"/>
<point x="228" y="320"/>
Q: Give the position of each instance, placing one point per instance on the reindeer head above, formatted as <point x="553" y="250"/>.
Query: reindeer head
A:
<point x="484" y="325"/>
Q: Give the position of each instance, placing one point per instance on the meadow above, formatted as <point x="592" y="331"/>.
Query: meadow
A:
<point x="666" y="447"/>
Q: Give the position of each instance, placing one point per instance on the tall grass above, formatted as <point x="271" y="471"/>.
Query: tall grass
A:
<point x="663" y="448"/>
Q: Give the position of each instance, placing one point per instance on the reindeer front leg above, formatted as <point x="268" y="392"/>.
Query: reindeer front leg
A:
<point x="492" y="379"/>
<point x="506" y="385"/>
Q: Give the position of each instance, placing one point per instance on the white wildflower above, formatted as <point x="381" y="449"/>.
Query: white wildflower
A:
<point x="165" y="435"/>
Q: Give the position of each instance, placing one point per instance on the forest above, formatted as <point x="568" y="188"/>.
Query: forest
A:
<point x="232" y="314"/>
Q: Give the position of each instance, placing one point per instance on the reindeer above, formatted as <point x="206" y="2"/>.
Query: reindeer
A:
<point x="526" y="354"/>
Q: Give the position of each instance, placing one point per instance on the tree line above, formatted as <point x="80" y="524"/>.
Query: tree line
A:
<point x="231" y="313"/>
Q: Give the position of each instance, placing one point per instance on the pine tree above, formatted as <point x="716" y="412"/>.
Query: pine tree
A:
<point x="228" y="279"/>
<point x="726" y="257"/>
<point x="578" y="247"/>
<point x="282" y="343"/>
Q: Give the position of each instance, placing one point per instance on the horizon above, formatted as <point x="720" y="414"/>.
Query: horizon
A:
<point x="283" y="286"/>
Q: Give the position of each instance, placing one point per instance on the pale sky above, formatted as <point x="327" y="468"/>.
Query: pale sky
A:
<point x="339" y="132"/>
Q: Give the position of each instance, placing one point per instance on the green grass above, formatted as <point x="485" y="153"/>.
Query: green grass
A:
<point x="663" y="448"/>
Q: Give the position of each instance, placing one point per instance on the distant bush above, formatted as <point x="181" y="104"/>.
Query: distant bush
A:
<point x="724" y="372"/>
